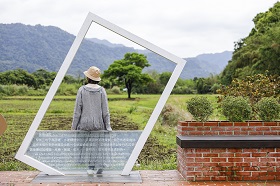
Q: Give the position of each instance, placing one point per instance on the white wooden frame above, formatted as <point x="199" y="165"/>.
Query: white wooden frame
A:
<point x="61" y="73"/>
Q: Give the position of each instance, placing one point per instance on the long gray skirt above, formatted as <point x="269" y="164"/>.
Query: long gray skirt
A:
<point x="96" y="150"/>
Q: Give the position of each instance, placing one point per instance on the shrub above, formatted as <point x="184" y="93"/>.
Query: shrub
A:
<point x="182" y="90"/>
<point x="116" y="90"/>
<point x="132" y="109"/>
<point x="215" y="87"/>
<point x="14" y="90"/>
<point x="11" y="90"/>
<point x="2" y="89"/>
<point x="37" y="92"/>
<point x="268" y="109"/>
<point x="236" y="108"/>
<point x="67" y="89"/>
<point x="254" y="87"/>
<point x="22" y="90"/>
<point x="170" y="115"/>
<point x="200" y="108"/>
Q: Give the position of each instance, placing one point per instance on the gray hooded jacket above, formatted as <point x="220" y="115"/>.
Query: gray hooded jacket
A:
<point x="91" y="110"/>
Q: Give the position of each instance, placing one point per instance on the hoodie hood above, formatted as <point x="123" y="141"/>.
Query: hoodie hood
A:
<point x="92" y="89"/>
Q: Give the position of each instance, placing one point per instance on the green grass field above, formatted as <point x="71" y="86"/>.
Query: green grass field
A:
<point x="159" y="152"/>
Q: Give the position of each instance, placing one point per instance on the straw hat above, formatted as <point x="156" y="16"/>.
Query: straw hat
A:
<point x="93" y="73"/>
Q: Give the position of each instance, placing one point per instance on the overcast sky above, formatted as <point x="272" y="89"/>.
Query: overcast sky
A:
<point x="185" y="28"/>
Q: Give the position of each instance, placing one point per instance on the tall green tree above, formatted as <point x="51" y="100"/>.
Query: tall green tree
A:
<point x="129" y="71"/>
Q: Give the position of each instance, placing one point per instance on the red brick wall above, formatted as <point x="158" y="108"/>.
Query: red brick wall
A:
<point x="198" y="164"/>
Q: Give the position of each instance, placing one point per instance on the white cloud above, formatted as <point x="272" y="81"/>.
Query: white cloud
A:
<point x="183" y="27"/>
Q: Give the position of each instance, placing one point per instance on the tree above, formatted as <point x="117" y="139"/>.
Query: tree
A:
<point x="129" y="71"/>
<point x="203" y="86"/>
<point x="259" y="51"/>
<point x="153" y="87"/>
<point x="164" y="78"/>
<point x="44" y="77"/>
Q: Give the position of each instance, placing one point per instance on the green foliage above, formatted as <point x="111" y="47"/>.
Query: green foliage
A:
<point x="116" y="90"/>
<point x="15" y="166"/>
<point x="38" y="92"/>
<point x="254" y="87"/>
<point x="200" y="108"/>
<point x="215" y="88"/>
<point x="38" y="79"/>
<point x="20" y="82"/>
<point x="67" y="89"/>
<point x="106" y="83"/>
<point x="207" y="85"/>
<point x="236" y="108"/>
<point x="132" y="109"/>
<point x="18" y="77"/>
<point x="169" y="163"/>
<point x="13" y="90"/>
<point x="44" y="78"/>
<point x="268" y="109"/>
<point x="170" y="115"/>
<point x="182" y="90"/>
<point x="164" y="77"/>
<point x="128" y="71"/>
<point x="184" y="87"/>
<point x="259" y="51"/>
<point x="160" y="80"/>
<point x="151" y="83"/>
<point x="153" y="87"/>
<point x="203" y="86"/>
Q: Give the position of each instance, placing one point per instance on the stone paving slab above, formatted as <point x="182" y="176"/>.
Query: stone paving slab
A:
<point x="105" y="177"/>
<point x="149" y="178"/>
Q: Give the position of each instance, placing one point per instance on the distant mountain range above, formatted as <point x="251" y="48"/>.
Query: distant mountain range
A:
<point x="35" y="47"/>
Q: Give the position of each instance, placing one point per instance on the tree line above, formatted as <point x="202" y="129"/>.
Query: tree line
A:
<point x="38" y="79"/>
<point x="126" y="74"/>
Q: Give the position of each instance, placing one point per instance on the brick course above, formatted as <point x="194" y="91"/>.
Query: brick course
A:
<point x="229" y="164"/>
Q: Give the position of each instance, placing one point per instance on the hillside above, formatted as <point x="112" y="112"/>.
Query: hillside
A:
<point x="35" y="47"/>
<point x="258" y="52"/>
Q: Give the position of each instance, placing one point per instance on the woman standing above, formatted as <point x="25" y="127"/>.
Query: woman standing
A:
<point x="91" y="113"/>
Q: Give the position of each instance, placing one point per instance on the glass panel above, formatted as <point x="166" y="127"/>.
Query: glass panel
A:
<point x="69" y="151"/>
